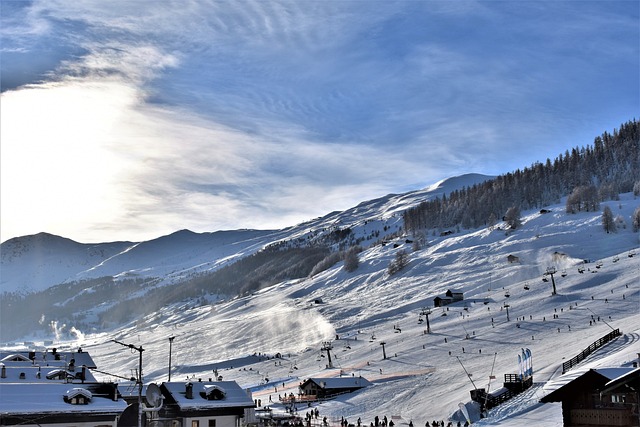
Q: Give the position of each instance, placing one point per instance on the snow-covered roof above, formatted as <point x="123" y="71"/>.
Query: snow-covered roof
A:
<point x="38" y="374"/>
<point x="613" y="373"/>
<point x="15" y="358"/>
<point x="78" y="391"/>
<point x="633" y="375"/>
<point x="48" y="358"/>
<point x="234" y="395"/>
<point x="565" y="382"/>
<point x="47" y="398"/>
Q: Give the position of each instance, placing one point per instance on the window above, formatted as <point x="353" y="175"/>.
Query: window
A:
<point x="212" y="423"/>
<point x="618" y="398"/>
<point x="195" y="423"/>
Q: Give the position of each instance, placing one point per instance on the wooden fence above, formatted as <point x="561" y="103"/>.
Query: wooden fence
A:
<point x="513" y="386"/>
<point x="587" y="351"/>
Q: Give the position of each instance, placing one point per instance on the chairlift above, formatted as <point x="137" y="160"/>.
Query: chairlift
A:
<point x="526" y="287"/>
<point x="581" y="270"/>
<point x="507" y="294"/>
<point x="631" y="254"/>
<point x="564" y="273"/>
<point x="544" y="279"/>
<point x="616" y="258"/>
<point x="599" y="264"/>
<point x="420" y="320"/>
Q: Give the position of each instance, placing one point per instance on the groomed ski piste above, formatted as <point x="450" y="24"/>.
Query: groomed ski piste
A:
<point x="425" y="376"/>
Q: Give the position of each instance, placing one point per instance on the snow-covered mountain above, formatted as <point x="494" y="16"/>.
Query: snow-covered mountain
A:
<point x="33" y="263"/>
<point x="423" y="377"/>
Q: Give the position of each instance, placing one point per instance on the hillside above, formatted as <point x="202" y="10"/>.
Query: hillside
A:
<point x="422" y="378"/>
<point x="34" y="263"/>
<point x="97" y="286"/>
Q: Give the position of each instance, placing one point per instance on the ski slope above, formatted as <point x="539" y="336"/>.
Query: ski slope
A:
<point x="423" y="377"/>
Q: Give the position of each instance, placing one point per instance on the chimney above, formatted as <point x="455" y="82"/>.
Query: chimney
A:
<point x="4" y="371"/>
<point x="84" y="373"/>
<point x="189" y="391"/>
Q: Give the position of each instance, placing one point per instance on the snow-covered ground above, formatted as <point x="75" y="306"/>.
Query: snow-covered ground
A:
<point x="423" y="377"/>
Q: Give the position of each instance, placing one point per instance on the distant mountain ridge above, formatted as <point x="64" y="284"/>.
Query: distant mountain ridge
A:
<point x="36" y="262"/>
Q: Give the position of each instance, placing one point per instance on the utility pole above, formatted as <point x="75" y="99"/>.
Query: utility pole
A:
<point x="426" y="312"/>
<point x="326" y="346"/>
<point x="170" y="344"/>
<point x="550" y="272"/>
<point x="139" y="379"/>
<point x="384" y="353"/>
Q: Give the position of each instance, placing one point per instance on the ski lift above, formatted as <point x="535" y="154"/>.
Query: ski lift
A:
<point x="544" y="279"/>
<point x="631" y="254"/>
<point x="507" y="294"/>
<point x="599" y="264"/>
<point x="420" y="320"/>
<point x="564" y="273"/>
<point x="581" y="270"/>
<point x="616" y="258"/>
<point x="526" y="286"/>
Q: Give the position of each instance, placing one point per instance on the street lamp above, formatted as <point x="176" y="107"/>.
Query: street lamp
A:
<point x="170" y="344"/>
<point x="139" y="379"/>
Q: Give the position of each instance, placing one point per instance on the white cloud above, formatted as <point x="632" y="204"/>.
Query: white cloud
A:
<point x="208" y="115"/>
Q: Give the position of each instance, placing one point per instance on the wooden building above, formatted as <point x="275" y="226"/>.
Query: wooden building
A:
<point x="322" y="388"/>
<point x="451" y="296"/>
<point x="600" y="397"/>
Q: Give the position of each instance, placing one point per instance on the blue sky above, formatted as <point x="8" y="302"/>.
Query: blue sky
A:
<point x="127" y="120"/>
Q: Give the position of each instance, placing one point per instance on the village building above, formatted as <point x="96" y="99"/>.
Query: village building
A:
<point x="49" y="389"/>
<point x="602" y="397"/>
<point x="512" y="259"/>
<point x="323" y="388"/>
<point x="203" y="404"/>
<point x="451" y="296"/>
<point x="49" y="358"/>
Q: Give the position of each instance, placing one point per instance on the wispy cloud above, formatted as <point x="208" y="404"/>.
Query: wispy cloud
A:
<point x="126" y="120"/>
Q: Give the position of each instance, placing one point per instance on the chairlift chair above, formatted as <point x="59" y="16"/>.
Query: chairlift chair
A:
<point x="526" y="287"/>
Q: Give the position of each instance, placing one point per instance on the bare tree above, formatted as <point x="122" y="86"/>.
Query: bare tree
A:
<point x="607" y="220"/>
<point x="351" y="261"/>
<point x="512" y="217"/>
<point x="635" y="220"/>
<point x="399" y="262"/>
